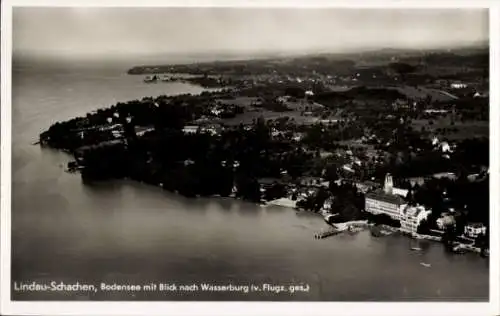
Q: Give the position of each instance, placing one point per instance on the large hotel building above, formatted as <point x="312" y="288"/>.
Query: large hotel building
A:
<point x="389" y="201"/>
<point x="385" y="201"/>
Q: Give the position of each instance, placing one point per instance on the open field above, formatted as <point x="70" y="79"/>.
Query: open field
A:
<point x="459" y="130"/>
<point x="248" y="117"/>
<point x="240" y="101"/>
<point x="421" y="92"/>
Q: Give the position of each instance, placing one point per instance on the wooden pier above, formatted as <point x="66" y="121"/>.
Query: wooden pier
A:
<point x="328" y="233"/>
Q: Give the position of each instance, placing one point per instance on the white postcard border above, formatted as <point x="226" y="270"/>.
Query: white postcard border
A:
<point x="248" y="308"/>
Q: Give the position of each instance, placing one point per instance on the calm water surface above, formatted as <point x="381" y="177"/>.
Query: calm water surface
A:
<point x="126" y="232"/>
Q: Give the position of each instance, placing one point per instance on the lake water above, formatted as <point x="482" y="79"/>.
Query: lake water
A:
<point x="125" y="232"/>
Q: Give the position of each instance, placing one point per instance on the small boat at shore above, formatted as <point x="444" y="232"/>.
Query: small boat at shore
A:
<point x="416" y="248"/>
<point x="427" y="265"/>
<point x="151" y="79"/>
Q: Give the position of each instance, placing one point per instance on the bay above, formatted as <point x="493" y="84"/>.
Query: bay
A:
<point x="126" y="232"/>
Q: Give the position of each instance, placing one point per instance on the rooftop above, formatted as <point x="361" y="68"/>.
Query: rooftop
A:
<point x="414" y="210"/>
<point x="380" y="195"/>
<point x="475" y="225"/>
<point x="400" y="192"/>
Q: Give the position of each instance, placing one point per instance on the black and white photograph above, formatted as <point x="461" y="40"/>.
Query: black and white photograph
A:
<point x="248" y="154"/>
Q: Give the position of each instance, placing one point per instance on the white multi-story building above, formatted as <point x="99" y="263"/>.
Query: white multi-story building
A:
<point x="411" y="217"/>
<point x="473" y="230"/>
<point x="384" y="201"/>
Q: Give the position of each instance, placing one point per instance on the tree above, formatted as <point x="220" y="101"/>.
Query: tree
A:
<point x="449" y="236"/>
<point x="424" y="227"/>
<point x="402" y="69"/>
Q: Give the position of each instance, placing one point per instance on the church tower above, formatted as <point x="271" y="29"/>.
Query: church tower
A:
<point x="388" y="184"/>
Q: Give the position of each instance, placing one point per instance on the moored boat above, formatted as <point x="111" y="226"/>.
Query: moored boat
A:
<point x="150" y="79"/>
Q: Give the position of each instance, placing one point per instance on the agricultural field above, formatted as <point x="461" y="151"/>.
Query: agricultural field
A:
<point x="248" y="117"/>
<point x="240" y="101"/>
<point x="421" y="92"/>
<point x="444" y="127"/>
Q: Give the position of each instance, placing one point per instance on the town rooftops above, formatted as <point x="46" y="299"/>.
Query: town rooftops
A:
<point x="380" y="195"/>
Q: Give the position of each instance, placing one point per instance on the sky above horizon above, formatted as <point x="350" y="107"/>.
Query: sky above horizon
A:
<point x="120" y="32"/>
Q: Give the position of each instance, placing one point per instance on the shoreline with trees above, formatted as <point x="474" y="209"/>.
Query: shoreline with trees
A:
<point x="260" y="142"/>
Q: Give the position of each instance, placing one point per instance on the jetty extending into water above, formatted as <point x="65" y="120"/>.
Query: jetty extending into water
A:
<point x="328" y="233"/>
<point x="352" y="226"/>
<point x="335" y="230"/>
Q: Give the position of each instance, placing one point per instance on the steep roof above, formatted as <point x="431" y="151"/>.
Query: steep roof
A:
<point x="400" y="192"/>
<point x="475" y="225"/>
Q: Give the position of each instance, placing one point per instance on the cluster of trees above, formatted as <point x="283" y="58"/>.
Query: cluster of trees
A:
<point x="470" y="198"/>
<point x="168" y="111"/>
<point x="361" y="93"/>
<point x="204" y="164"/>
<point x="192" y="164"/>
<point x="381" y="219"/>
<point x="346" y="201"/>
<point x="325" y="136"/>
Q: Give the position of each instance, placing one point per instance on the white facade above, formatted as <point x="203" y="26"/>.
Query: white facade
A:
<point x="190" y="129"/>
<point x="458" y="85"/>
<point x="411" y="217"/>
<point x="328" y="204"/>
<point x="445" y="147"/>
<point x="474" y="230"/>
<point x="388" y="185"/>
<point x="386" y="201"/>
<point x="379" y="206"/>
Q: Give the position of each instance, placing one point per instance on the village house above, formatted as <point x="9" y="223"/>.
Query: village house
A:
<point x="327" y="206"/>
<point x="400" y="104"/>
<point x="458" y="85"/>
<point x="190" y="129"/>
<point x="473" y="230"/>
